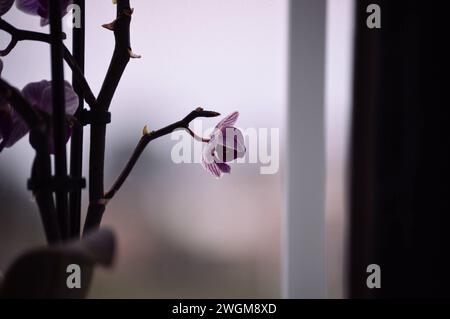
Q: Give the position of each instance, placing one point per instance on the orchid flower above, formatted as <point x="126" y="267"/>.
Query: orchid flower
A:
<point x="5" y="118"/>
<point x="225" y="145"/>
<point x="34" y="7"/>
<point x="39" y="95"/>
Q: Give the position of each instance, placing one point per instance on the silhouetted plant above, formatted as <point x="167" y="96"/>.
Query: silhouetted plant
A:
<point x="54" y="111"/>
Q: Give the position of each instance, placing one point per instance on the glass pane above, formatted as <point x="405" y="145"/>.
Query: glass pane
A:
<point x="181" y="233"/>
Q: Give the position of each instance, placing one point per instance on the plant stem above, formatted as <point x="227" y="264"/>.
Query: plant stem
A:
<point x="196" y="137"/>
<point x="79" y="79"/>
<point x="41" y="171"/>
<point x="76" y="154"/>
<point x="20" y="35"/>
<point x="147" y="138"/>
<point x="59" y="115"/>
<point x="119" y="61"/>
<point x="24" y="35"/>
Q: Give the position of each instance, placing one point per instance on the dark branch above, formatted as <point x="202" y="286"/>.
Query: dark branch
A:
<point x="121" y="55"/>
<point x="119" y="61"/>
<point x="76" y="151"/>
<point x="147" y="138"/>
<point x="41" y="171"/>
<point x="18" y="35"/>
<point x="20" y="105"/>
<point x="21" y="35"/>
<point x="79" y="79"/>
<point x="59" y="115"/>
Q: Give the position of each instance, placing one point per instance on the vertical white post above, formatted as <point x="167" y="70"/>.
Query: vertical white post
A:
<point x="304" y="245"/>
<point x="338" y="106"/>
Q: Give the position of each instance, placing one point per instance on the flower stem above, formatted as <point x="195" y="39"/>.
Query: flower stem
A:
<point x="25" y="35"/>
<point x="20" y="35"/>
<point x="147" y="138"/>
<point x="119" y="61"/>
<point x="59" y="115"/>
<point x="196" y="137"/>
<point x="41" y="171"/>
<point x="76" y="154"/>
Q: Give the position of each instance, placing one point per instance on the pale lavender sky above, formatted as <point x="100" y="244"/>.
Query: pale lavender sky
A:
<point x="224" y="55"/>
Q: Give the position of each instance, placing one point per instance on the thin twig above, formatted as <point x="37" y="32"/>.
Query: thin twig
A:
<point x="147" y="138"/>
<point x="196" y="137"/>
<point x="18" y="35"/>
<point x="21" y="35"/>
<point x="79" y="78"/>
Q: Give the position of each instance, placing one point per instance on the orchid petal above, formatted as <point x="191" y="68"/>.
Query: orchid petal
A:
<point x="33" y="93"/>
<point x="46" y="105"/>
<point x="44" y="22"/>
<point x="5" y="5"/>
<point x="210" y="162"/>
<point x="46" y="102"/>
<point x="208" y="152"/>
<point x="71" y="98"/>
<point x="229" y="121"/>
<point x="39" y="95"/>
<point x="230" y="145"/>
<point x="225" y="145"/>
<point x="233" y="138"/>
<point x="5" y="114"/>
<point x="208" y="159"/>
<point x="240" y="144"/>
<point x="3" y="105"/>
<point x="18" y="130"/>
<point x="41" y="8"/>
<point x="225" y="168"/>
<point x="5" y="125"/>
<point x="213" y="169"/>
<point x="29" y="6"/>
<point x="12" y="127"/>
<point x="44" y="10"/>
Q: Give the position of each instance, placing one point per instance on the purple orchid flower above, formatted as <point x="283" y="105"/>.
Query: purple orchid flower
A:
<point x="5" y="117"/>
<point x="39" y="95"/>
<point x="34" y="7"/>
<point x="225" y="145"/>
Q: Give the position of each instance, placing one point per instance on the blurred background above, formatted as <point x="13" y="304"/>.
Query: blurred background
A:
<point x="181" y="233"/>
